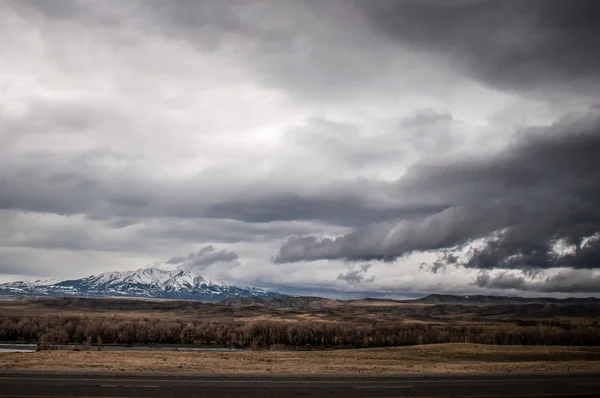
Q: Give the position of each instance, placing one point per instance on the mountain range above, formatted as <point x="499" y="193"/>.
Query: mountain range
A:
<point x="185" y="285"/>
<point x="145" y="282"/>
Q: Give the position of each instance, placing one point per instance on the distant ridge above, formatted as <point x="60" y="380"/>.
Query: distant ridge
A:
<point x="482" y="299"/>
<point x="305" y="302"/>
<point x="158" y="283"/>
<point x="145" y="282"/>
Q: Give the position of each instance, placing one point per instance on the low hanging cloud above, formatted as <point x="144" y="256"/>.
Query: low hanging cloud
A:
<point x="355" y="276"/>
<point x="515" y="249"/>
<point x="392" y="239"/>
<point x="445" y="258"/>
<point x="562" y="282"/>
<point x="203" y="258"/>
<point x="542" y="190"/>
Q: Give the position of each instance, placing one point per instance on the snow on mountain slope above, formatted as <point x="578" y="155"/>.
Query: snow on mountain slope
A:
<point x="145" y="282"/>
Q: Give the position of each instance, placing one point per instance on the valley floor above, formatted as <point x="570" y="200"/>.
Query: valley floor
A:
<point x="438" y="358"/>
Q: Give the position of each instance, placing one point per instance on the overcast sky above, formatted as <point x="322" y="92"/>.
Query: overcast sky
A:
<point x="342" y="148"/>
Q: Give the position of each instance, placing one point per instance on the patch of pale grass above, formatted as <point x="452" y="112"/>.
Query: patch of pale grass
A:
<point x="444" y="358"/>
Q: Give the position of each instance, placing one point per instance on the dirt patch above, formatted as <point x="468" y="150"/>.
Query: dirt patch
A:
<point x="454" y="358"/>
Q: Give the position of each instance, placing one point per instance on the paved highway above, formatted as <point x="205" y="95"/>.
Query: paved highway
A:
<point x="100" y="384"/>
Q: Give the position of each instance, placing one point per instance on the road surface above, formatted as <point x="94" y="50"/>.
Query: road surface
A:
<point x="103" y="384"/>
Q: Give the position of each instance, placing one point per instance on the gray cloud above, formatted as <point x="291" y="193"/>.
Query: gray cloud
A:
<point x="351" y="276"/>
<point x="522" y="248"/>
<point x="203" y="258"/>
<point x="16" y="266"/>
<point x="563" y="282"/>
<point x="335" y="206"/>
<point x="427" y="119"/>
<point x="445" y="258"/>
<point x="290" y="48"/>
<point x="66" y="184"/>
<point x="75" y="181"/>
<point x="327" y="50"/>
<point x="389" y="240"/>
<point x="543" y="189"/>
<point x="321" y="51"/>
<point x="80" y="233"/>
<point x="356" y="276"/>
<point x="537" y="44"/>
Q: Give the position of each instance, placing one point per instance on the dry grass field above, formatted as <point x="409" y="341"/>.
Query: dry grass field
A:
<point x="366" y="311"/>
<point x="436" y="358"/>
<point x="301" y="324"/>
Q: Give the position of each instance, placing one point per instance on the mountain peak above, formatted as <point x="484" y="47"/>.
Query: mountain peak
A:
<point x="149" y="282"/>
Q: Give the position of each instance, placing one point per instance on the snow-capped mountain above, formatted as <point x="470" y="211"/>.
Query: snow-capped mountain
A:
<point x="145" y="282"/>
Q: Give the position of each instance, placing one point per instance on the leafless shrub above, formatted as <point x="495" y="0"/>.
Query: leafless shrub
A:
<point x="56" y="332"/>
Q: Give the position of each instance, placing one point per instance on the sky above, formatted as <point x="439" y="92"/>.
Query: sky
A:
<point x="343" y="148"/>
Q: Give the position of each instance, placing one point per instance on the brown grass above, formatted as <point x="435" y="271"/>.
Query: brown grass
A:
<point x="454" y="358"/>
<point x="358" y="312"/>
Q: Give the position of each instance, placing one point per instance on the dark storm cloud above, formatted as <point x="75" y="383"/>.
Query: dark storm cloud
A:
<point x="542" y="190"/>
<point x="527" y="247"/>
<point x="534" y="44"/>
<point x="203" y="258"/>
<point x="386" y="241"/>
<point x="563" y="282"/>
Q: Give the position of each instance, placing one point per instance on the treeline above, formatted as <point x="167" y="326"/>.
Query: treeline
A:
<point x="566" y="325"/>
<point x="86" y="331"/>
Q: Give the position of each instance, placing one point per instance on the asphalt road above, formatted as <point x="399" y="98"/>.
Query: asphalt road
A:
<point x="99" y="384"/>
